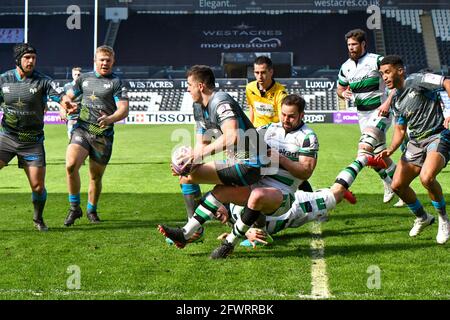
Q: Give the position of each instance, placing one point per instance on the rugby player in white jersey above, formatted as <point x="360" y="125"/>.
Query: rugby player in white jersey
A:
<point x="360" y="82"/>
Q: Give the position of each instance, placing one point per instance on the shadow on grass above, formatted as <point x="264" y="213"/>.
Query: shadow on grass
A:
<point x="347" y="250"/>
<point x="102" y="226"/>
<point x="341" y="250"/>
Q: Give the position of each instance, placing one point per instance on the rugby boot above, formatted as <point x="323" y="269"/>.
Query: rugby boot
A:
<point x="197" y="237"/>
<point x="443" y="231"/>
<point x="223" y="251"/>
<point x="174" y="234"/>
<point x="376" y="162"/>
<point x="400" y="203"/>
<point x="93" y="217"/>
<point x="349" y="196"/>
<point x="420" y="224"/>
<point x="39" y="224"/>
<point x="73" y="214"/>
<point x="388" y="192"/>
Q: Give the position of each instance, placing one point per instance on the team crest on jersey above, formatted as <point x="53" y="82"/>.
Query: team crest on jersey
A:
<point x="33" y="90"/>
<point x="5" y="89"/>
<point x="85" y="83"/>
<point x="107" y="85"/>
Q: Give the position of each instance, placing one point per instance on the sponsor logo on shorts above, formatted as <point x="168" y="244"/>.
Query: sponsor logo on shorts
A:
<point x="408" y="155"/>
<point x="31" y="158"/>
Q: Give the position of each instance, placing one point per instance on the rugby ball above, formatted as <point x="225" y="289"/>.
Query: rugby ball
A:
<point x="181" y="161"/>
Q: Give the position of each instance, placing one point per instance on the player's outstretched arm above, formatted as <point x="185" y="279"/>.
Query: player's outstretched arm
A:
<point x="397" y="139"/>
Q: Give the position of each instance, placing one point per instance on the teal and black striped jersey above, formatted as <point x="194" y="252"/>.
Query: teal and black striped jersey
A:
<point x="24" y="101"/>
<point x="418" y="105"/>
<point x="99" y="96"/>
<point x="364" y="80"/>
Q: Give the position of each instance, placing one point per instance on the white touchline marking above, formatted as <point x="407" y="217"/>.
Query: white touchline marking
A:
<point x="319" y="277"/>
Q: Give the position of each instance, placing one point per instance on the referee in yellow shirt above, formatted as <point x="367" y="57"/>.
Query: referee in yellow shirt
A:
<point x="264" y="95"/>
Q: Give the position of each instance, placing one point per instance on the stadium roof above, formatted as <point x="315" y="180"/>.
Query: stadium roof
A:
<point x="212" y="6"/>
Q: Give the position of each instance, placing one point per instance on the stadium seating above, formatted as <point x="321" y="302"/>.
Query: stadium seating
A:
<point x="178" y="99"/>
<point x="403" y="36"/>
<point x="441" y="23"/>
<point x="317" y="99"/>
<point x="170" y="99"/>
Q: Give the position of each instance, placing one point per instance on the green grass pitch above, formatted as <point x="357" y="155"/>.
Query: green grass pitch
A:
<point x="125" y="257"/>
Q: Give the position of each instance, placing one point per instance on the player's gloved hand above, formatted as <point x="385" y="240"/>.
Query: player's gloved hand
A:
<point x="256" y="235"/>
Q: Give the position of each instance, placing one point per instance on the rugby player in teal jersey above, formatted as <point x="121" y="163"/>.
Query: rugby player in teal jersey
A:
<point x="104" y="102"/>
<point x="419" y="115"/>
<point x="221" y="126"/>
<point x="23" y="96"/>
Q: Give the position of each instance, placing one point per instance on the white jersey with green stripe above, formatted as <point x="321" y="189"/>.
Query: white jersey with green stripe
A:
<point x="299" y="142"/>
<point x="364" y="80"/>
<point x="296" y="210"/>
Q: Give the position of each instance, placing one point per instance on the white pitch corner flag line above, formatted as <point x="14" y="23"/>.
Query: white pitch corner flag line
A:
<point x="319" y="277"/>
